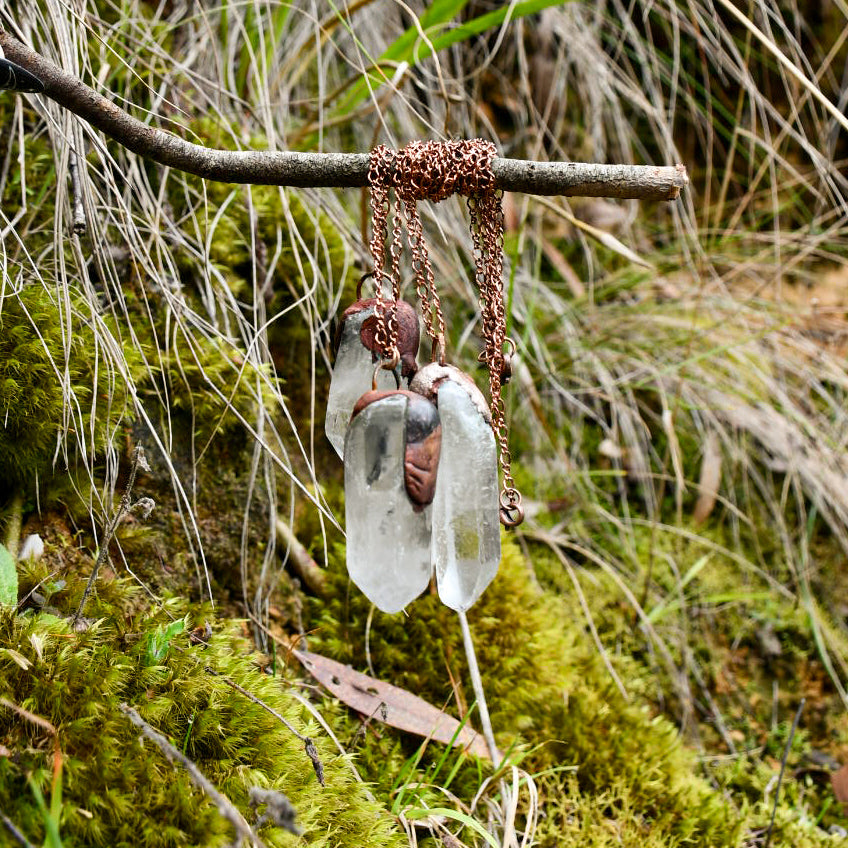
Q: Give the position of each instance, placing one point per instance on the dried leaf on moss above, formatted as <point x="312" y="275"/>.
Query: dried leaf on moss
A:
<point x="391" y="704"/>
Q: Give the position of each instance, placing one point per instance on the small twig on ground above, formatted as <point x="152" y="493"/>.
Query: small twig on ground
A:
<point x="323" y="722"/>
<point x="10" y="826"/>
<point x="317" y="715"/>
<point x="278" y="809"/>
<point x="305" y="567"/>
<point x="32" y="718"/>
<point x="78" y="219"/>
<point x="125" y="505"/>
<point x="782" y="769"/>
<point x="308" y="744"/>
<point x="479" y="694"/>
<point x="13" y="529"/>
<point x="224" y="805"/>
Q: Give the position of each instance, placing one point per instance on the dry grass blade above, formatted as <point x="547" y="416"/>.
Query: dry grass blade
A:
<point x="709" y="481"/>
<point x="37" y="720"/>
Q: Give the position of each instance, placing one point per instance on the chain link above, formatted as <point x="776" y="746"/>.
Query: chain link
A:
<point x="379" y="177"/>
<point x="434" y="171"/>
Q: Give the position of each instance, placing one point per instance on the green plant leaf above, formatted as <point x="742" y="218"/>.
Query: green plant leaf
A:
<point x="49" y="819"/>
<point x="411" y="48"/>
<point x="156" y="644"/>
<point x="8" y="578"/>
<point x="421" y="813"/>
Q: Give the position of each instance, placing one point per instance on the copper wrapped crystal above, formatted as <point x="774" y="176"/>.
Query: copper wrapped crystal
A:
<point x="466" y="543"/>
<point x="422" y="440"/>
<point x="391" y="457"/>
<point x="356" y="357"/>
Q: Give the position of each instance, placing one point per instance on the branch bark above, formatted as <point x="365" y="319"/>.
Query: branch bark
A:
<point x="318" y="170"/>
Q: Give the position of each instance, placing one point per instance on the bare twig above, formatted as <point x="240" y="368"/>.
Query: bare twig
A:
<point x="224" y="805"/>
<point x="10" y="826"/>
<point x="143" y="505"/>
<point x="325" y="169"/>
<point x="782" y="769"/>
<point x="304" y="566"/>
<point x="308" y="744"/>
<point x="13" y="528"/>
<point x="278" y="809"/>
<point x="79" y="223"/>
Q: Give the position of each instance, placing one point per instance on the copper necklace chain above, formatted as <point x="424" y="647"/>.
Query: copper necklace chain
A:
<point x="434" y="171"/>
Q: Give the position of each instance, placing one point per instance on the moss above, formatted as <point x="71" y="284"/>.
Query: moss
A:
<point x="160" y="550"/>
<point x="43" y="349"/>
<point x="806" y="811"/>
<point x="119" y="792"/>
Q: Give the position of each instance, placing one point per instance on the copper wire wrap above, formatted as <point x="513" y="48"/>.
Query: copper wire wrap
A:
<point x="431" y="170"/>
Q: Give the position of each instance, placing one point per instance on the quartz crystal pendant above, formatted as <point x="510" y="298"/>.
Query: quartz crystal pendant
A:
<point x="466" y="544"/>
<point x="356" y="356"/>
<point x="391" y="456"/>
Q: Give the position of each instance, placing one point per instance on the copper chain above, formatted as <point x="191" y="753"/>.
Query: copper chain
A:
<point x="379" y="177"/>
<point x="434" y="171"/>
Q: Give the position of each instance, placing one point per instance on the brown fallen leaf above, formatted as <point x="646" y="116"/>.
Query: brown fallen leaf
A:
<point x="839" y="781"/>
<point x="390" y="704"/>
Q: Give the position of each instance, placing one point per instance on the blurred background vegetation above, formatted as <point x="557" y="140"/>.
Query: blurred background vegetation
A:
<point x="678" y="414"/>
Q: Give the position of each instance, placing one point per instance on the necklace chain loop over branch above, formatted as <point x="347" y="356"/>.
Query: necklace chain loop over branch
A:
<point x="434" y="171"/>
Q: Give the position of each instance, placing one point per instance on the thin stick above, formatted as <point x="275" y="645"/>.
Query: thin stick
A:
<point x="479" y="694"/>
<point x="316" y="714"/>
<point x="10" y="826"/>
<point x="318" y="170"/>
<point x="13" y="529"/>
<point x="124" y="506"/>
<point x="79" y="224"/>
<point x="783" y="768"/>
<point x="312" y="575"/>
<point x="224" y="805"/>
<point x="308" y="744"/>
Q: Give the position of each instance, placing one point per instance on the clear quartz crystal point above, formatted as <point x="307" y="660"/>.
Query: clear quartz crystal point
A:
<point x="466" y="545"/>
<point x="388" y="537"/>
<point x="352" y="375"/>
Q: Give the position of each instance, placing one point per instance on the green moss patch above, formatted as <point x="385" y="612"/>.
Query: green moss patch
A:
<point x="118" y="791"/>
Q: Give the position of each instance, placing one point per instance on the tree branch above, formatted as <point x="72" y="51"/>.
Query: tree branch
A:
<point x="317" y="170"/>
